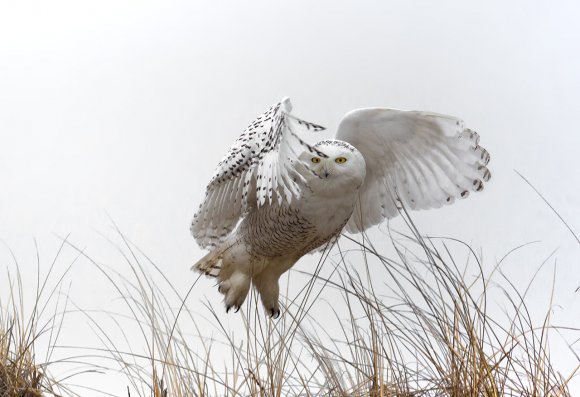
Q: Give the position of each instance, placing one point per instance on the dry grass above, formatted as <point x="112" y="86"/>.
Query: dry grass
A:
<point x="24" y="371"/>
<point x="420" y="322"/>
<point x="432" y="334"/>
<point x="19" y="375"/>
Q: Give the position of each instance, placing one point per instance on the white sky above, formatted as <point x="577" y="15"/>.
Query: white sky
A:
<point x="125" y="108"/>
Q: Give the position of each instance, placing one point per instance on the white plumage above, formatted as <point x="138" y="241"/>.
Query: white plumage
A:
<point x="273" y="198"/>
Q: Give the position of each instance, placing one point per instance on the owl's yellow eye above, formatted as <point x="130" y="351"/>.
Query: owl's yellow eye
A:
<point x="340" y="160"/>
<point x="315" y="160"/>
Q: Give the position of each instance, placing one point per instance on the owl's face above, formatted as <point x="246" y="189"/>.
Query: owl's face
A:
<point x="343" y="171"/>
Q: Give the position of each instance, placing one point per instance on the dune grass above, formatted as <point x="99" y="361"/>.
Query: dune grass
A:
<point x="432" y="333"/>
<point x="421" y="321"/>
<point x="25" y="369"/>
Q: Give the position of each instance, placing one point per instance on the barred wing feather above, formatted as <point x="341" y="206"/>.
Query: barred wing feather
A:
<point x="422" y="160"/>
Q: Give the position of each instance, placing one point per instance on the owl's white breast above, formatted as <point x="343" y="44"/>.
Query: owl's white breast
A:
<point x="331" y="189"/>
<point x="327" y="213"/>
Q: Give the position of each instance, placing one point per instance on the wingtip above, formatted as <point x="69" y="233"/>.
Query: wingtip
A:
<point x="286" y="104"/>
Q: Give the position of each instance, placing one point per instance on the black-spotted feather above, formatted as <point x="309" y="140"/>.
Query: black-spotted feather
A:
<point x="255" y="171"/>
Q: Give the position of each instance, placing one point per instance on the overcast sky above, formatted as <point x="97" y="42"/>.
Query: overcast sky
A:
<point x="125" y="107"/>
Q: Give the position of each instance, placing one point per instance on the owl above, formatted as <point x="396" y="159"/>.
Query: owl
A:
<point x="275" y="198"/>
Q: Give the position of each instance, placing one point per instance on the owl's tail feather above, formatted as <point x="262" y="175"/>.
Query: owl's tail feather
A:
<point x="210" y="264"/>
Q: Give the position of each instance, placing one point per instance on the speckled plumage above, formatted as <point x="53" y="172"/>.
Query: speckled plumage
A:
<point x="274" y="198"/>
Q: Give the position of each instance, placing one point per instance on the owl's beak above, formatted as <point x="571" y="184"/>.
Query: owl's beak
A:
<point x="325" y="173"/>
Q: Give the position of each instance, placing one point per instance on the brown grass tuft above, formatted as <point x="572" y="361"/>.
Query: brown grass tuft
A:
<point x="19" y="375"/>
<point x="433" y="333"/>
<point x="24" y="367"/>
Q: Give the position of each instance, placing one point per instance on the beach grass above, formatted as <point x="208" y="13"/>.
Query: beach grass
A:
<point x="425" y="317"/>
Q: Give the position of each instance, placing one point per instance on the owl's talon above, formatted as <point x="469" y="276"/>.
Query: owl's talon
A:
<point x="228" y="307"/>
<point x="237" y="309"/>
<point x="274" y="313"/>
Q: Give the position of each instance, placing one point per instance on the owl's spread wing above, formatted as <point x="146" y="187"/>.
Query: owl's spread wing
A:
<point x="425" y="160"/>
<point x="258" y="169"/>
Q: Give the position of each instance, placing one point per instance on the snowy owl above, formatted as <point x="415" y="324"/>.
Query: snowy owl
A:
<point x="274" y="198"/>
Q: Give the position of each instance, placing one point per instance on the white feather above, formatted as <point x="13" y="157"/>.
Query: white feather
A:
<point x="426" y="160"/>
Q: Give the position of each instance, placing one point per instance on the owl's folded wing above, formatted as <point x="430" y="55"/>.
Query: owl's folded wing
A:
<point x="258" y="169"/>
<point x="424" y="160"/>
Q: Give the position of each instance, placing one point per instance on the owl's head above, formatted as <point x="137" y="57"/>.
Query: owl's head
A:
<point x="343" y="170"/>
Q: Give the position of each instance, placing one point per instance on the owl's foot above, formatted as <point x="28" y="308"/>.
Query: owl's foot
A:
<point x="267" y="285"/>
<point x="235" y="289"/>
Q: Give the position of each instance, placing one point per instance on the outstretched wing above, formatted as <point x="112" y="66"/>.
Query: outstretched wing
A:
<point x="424" y="160"/>
<point x="258" y="169"/>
